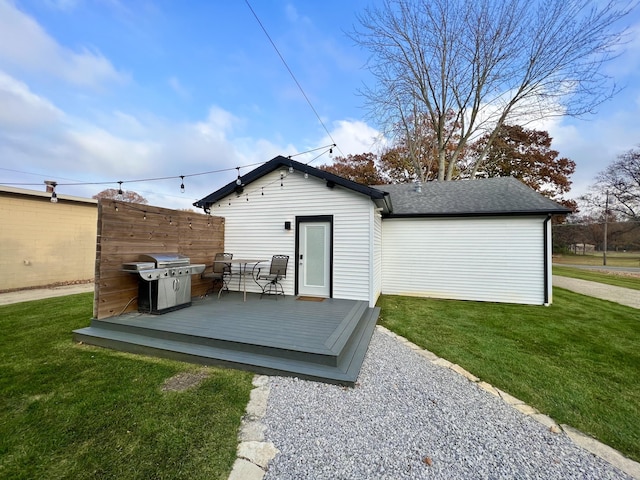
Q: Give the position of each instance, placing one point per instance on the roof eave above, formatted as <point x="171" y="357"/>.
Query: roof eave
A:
<point x="279" y="162"/>
<point x="513" y="213"/>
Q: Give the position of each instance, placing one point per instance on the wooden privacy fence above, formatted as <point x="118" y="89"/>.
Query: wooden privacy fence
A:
<point x="128" y="230"/>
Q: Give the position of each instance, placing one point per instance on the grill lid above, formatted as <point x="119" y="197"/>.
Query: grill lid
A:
<point x="163" y="260"/>
<point x="137" y="266"/>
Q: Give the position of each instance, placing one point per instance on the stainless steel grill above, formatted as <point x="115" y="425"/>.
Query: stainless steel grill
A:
<point x="164" y="281"/>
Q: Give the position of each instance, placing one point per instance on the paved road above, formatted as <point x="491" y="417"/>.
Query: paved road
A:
<point x="38" y="293"/>
<point x="624" y="296"/>
<point x="606" y="268"/>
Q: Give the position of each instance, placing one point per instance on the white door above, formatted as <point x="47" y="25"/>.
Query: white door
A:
<point x="314" y="259"/>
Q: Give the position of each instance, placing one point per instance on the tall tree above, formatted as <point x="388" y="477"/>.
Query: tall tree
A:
<point x="397" y="167"/>
<point x="526" y="154"/>
<point x="415" y="156"/>
<point x="617" y="188"/>
<point x="125" y="196"/>
<point x="488" y="62"/>
<point x="359" y="168"/>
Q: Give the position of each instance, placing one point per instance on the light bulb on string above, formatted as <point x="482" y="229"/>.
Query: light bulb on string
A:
<point x="120" y="192"/>
<point x="291" y="169"/>
<point x="182" y="184"/>
<point x="238" y="180"/>
<point x="144" y="215"/>
<point x="281" y="178"/>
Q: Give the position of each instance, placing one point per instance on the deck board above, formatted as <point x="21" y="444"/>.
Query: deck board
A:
<point x="319" y="340"/>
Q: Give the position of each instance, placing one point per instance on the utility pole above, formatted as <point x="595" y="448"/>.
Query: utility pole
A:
<point x="606" y="220"/>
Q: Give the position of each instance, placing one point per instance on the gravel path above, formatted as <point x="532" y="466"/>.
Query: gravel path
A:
<point x="623" y="296"/>
<point x="411" y="419"/>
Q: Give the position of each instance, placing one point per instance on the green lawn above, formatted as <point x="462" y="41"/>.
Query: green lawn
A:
<point x="577" y="360"/>
<point x="614" y="259"/>
<point x="75" y="411"/>
<point x="601" y="277"/>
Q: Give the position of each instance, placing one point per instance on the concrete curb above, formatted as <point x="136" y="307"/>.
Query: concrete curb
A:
<point x="254" y="454"/>
<point x="614" y="457"/>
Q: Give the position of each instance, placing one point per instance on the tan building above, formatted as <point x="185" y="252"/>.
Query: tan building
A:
<point x="44" y="243"/>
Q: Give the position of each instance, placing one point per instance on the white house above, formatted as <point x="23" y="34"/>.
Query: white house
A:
<point x="486" y="240"/>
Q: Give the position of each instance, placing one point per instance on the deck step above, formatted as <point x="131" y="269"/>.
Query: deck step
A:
<point x="329" y="354"/>
<point x="347" y="354"/>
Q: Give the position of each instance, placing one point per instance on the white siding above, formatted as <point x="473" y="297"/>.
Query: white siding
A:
<point x="486" y="259"/>
<point x="255" y="228"/>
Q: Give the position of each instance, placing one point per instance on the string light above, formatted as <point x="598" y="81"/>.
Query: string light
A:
<point x="144" y="217"/>
<point x="120" y="192"/>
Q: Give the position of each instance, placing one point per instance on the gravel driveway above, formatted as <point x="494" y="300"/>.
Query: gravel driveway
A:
<point x="411" y="419"/>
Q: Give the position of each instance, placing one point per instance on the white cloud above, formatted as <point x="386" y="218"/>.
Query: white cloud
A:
<point x="177" y="87"/>
<point x="26" y="45"/>
<point x="63" y="5"/>
<point x="294" y="17"/>
<point x="21" y="108"/>
<point x="354" y="137"/>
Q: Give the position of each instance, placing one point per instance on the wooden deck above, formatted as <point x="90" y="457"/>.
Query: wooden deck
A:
<point x="318" y="340"/>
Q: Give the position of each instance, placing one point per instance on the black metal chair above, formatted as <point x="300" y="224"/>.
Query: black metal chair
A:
<point x="221" y="272"/>
<point x="277" y="271"/>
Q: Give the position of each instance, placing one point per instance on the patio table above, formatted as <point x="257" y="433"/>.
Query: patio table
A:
<point x="242" y="263"/>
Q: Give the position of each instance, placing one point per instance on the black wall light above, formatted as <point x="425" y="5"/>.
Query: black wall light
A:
<point x="287" y="225"/>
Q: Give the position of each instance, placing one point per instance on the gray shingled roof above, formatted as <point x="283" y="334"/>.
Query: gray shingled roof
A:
<point x="489" y="196"/>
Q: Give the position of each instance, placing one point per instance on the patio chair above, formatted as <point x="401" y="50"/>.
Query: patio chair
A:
<point x="271" y="281"/>
<point x="221" y="272"/>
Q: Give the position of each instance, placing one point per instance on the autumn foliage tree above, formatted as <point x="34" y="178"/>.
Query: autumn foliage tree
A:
<point x="415" y="155"/>
<point x="125" y="196"/>
<point x="526" y="154"/>
<point x="360" y="168"/>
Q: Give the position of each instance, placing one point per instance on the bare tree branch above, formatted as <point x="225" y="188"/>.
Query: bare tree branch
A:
<point x="489" y="62"/>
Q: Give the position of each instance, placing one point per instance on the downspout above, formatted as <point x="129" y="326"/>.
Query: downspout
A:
<point x="547" y="280"/>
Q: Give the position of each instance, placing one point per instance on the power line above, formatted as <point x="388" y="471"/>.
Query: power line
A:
<point x="292" y="75"/>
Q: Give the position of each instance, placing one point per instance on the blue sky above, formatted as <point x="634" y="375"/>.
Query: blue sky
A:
<point x="107" y="90"/>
